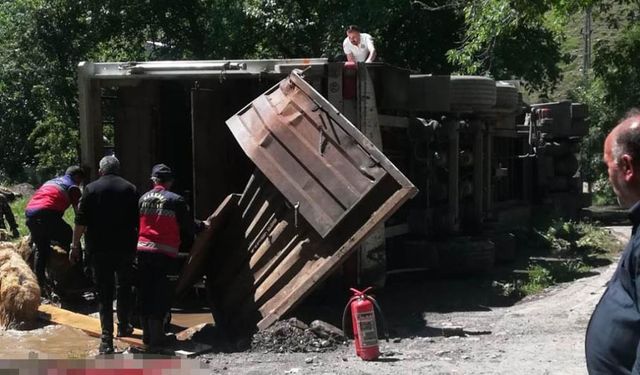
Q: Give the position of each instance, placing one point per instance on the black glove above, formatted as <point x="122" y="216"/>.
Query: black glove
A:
<point x="15" y="233"/>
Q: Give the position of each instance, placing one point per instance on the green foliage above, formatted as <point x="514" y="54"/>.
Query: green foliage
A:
<point x="539" y="279"/>
<point x="617" y="65"/>
<point x="515" y="38"/>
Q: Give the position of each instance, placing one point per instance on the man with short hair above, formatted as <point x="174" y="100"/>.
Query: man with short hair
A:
<point x="166" y="227"/>
<point x="613" y="335"/>
<point x="44" y="217"/>
<point x="358" y="46"/>
<point x="108" y="217"/>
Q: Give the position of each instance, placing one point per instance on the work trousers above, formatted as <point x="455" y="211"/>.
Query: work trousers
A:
<point x="154" y="290"/>
<point x="46" y="227"/>
<point x="113" y="272"/>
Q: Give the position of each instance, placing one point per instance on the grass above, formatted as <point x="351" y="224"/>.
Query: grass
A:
<point x="574" y="249"/>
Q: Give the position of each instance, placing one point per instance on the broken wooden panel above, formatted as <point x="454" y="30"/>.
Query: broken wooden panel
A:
<point x="318" y="160"/>
<point x="320" y="189"/>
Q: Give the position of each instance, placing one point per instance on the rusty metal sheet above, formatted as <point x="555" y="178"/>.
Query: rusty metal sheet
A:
<point x="315" y="157"/>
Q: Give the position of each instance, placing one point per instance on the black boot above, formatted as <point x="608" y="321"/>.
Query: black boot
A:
<point x="124" y="330"/>
<point x="106" y="345"/>
<point x="156" y="334"/>
<point x="145" y="330"/>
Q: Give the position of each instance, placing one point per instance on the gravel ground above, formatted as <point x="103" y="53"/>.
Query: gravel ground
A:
<point x="540" y="335"/>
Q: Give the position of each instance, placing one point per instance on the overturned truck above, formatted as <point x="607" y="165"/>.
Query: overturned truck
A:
<point x="305" y="164"/>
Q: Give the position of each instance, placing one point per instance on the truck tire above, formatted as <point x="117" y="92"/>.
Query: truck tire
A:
<point x="472" y="93"/>
<point x="506" y="96"/>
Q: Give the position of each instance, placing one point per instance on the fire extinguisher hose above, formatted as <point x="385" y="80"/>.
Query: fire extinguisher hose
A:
<point x="375" y="305"/>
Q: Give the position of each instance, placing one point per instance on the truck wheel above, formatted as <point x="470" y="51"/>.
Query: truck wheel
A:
<point x="472" y="93"/>
<point x="506" y="96"/>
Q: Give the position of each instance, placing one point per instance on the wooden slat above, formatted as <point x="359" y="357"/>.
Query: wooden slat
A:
<point x="305" y="286"/>
<point x="87" y="324"/>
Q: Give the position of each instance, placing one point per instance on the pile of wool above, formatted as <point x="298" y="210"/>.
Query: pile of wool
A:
<point x="19" y="290"/>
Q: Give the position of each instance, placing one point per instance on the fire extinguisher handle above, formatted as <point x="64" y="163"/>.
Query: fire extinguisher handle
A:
<point x="382" y="320"/>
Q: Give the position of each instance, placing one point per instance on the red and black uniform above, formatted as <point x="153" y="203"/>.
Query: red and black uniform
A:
<point x="166" y="226"/>
<point x="44" y="219"/>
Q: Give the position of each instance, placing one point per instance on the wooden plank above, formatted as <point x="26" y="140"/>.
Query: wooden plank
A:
<point x="87" y="324"/>
<point x="194" y="268"/>
<point x="91" y="326"/>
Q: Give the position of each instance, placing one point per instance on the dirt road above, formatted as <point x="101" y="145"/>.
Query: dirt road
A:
<point x="541" y="335"/>
<point x="437" y="327"/>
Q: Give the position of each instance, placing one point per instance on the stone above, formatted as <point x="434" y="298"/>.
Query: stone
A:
<point x="326" y="331"/>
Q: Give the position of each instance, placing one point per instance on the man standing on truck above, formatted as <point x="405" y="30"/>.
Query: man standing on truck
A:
<point x="108" y="214"/>
<point x="613" y="335"/>
<point x="44" y="218"/>
<point x="358" y="46"/>
<point x="166" y="227"/>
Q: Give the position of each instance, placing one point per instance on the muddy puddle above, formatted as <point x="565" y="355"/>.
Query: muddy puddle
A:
<point x="52" y="341"/>
<point x="61" y="342"/>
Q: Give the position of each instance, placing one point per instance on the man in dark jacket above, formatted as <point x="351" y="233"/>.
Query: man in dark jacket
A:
<point x="166" y="226"/>
<point x="44" y="217"/>
<point x="613" y="334"/>
<point x="108" y="214"/>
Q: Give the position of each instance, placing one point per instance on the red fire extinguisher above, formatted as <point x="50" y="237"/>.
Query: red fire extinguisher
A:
<point x="363" y="318"/>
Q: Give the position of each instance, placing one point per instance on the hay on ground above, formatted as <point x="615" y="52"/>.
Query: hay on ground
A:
<point x="19" y="290"/>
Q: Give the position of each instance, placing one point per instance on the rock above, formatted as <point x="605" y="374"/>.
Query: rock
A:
<point x="397" y="340"/>
<point x="465" y="357"/>
<point x="440" y="353"/>
<point x="294" y="370"/>
<point x="308" y="360"/>
<point x="326" y="331"/>
<point x="297" y="323"/>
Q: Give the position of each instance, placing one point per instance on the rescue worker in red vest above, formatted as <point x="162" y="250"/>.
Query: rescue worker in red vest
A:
<point x="44" y="217"/>
<point x="166" y="227"/>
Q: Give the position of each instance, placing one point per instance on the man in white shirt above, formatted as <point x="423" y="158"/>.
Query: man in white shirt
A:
<point x="358" y="46"/>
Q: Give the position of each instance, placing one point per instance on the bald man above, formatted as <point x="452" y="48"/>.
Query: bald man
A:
<point x="613" y="334"/>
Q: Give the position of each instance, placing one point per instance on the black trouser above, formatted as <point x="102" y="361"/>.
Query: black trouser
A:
<point x="112" y="271"/>
<point x="154" y="290"/>
<point x="45" y="227"/>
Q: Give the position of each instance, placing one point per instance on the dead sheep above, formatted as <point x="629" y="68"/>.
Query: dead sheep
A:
<point x="19" y="290"/>
<point x="25" y="250"/>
